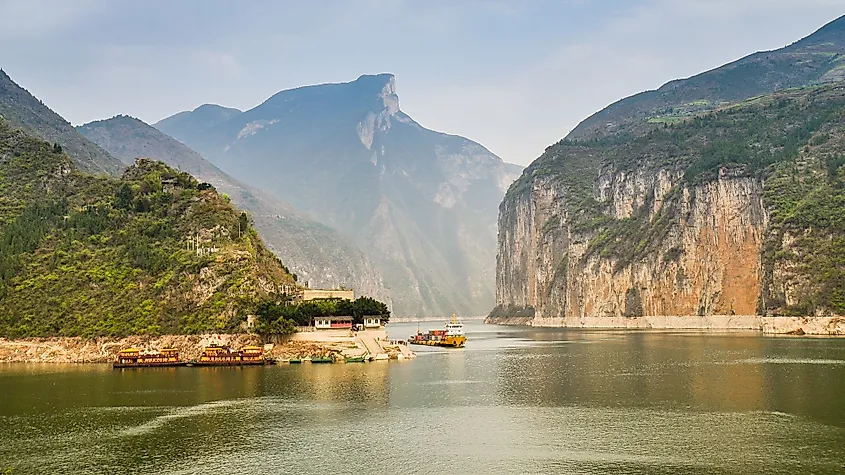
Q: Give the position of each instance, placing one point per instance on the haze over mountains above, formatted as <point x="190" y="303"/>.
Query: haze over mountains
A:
<point x="21" y="110"/>
<point x="319" y="255"/>
<point x="421" y="204"/>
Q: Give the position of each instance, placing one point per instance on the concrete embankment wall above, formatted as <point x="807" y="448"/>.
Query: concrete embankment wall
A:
<point x="768" y="325"/>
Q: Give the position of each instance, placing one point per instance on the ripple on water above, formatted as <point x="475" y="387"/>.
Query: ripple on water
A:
<point x="816" y="361"/>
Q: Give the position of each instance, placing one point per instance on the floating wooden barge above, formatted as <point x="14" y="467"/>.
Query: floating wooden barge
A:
<point x="222" y="355"/>
<point x="136" y="358"/>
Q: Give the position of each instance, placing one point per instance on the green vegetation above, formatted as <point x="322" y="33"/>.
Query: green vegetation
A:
<point x="792" y="142"/>
<point x="147" y="254"/>
<point x="280" y="315"/>
<point x="807" y="233"/>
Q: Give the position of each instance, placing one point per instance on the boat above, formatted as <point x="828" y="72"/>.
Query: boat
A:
<point x="295" y="361"/>
<point x="322" y="359"/>
<point x="355" y="359"/>
<point x="223" y="355"/>
<point x="136" y="358"/>
<point x="452" y="337"/>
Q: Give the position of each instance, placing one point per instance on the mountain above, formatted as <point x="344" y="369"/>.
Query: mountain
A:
<point x="23" y="111"/>
<point x="152" y="252"/>
<point x="816" y="59"/>
<point x="738" y="210"/>
<point x="319" y="255"/>
<point x="422" y="204"/>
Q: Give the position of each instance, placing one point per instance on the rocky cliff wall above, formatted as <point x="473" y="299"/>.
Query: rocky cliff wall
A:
<point x="736" y="212"/>
<point x="706" y="264"/>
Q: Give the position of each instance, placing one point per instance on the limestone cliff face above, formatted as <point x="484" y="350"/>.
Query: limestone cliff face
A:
<point x="738" y="212"/>
<point x="708" y="264"/>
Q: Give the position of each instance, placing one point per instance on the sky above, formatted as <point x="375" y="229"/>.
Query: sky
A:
<point x="515" y="76"/>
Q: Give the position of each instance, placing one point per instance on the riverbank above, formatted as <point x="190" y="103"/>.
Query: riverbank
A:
<point x="826" y="326"/>
<point x="104" y="349"/>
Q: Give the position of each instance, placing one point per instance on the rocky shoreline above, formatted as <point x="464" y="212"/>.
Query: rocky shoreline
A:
<point x="104" y="349"/>
<point x="819" y="326"/>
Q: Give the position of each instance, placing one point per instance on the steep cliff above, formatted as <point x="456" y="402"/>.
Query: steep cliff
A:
<point x="420" y="203"/>
<point x="740" y="211"/>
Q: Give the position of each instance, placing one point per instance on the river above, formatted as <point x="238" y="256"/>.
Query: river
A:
<point x="515" y="400"/>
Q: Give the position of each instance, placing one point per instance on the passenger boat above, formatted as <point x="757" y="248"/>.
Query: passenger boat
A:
<point x="452" y="337"/>
<point x="222" y="355"/>
<point x="136" y="358"/>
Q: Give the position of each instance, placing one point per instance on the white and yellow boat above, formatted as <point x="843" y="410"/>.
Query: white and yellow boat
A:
<point x="452" y="337"/>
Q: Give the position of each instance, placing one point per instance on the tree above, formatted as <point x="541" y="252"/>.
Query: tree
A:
<point x="123" y="199"/>
<point x="367" y="307"/>
<point x="243" y="224"/>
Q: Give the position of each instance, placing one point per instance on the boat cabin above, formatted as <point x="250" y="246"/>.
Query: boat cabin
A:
<point x="252" y="353"/>
<point x="128" y="356"/>
<point x="333" y="323"/>
<point x="372" y="322"/>
<point x="219" y="353"/>
<point x="134" y="356"/>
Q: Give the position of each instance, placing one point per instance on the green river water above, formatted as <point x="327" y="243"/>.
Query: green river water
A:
<point x="515" y="400"/>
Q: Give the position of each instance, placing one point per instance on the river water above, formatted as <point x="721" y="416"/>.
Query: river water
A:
<point x="515" y="400"/>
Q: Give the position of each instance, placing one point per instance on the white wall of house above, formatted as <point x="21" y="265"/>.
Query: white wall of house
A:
<point x="372" y="322"/>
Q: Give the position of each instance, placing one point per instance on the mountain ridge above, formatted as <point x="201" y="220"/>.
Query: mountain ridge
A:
<point x="319" y="255"/>
<point x="421" y="203"/>
<point x="816" y="58"/>
<point x="23" y="110"/>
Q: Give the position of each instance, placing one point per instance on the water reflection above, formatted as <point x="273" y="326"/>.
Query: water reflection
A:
<point x="513" y="401"/>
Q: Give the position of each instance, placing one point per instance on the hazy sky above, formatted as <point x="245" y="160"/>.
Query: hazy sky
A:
<point x="514" y="76"/>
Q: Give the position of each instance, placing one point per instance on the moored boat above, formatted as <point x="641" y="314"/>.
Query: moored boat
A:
<point x="322" y="359"/>
<point x="223" y="355"/>
<point x="137" y="358"/>
<point x="452" y="337"/>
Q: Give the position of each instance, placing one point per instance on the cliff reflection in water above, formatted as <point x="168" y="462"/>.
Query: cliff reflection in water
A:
<point x="705" y="372"/>
<point x="516" y="400"/>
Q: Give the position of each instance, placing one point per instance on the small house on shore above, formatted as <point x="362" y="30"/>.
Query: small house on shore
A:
<point x="372" y="322"/>
<point x="332" y="323"/>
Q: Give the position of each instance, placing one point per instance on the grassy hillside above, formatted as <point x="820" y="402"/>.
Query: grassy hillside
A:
<point x="88" y="255"/>
<point x="23" y="111"/>
<point x="816" y="59"/>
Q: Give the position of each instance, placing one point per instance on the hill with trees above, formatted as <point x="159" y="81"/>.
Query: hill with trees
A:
<point x="319" y="255"/>
<point x="153" y="252"/>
